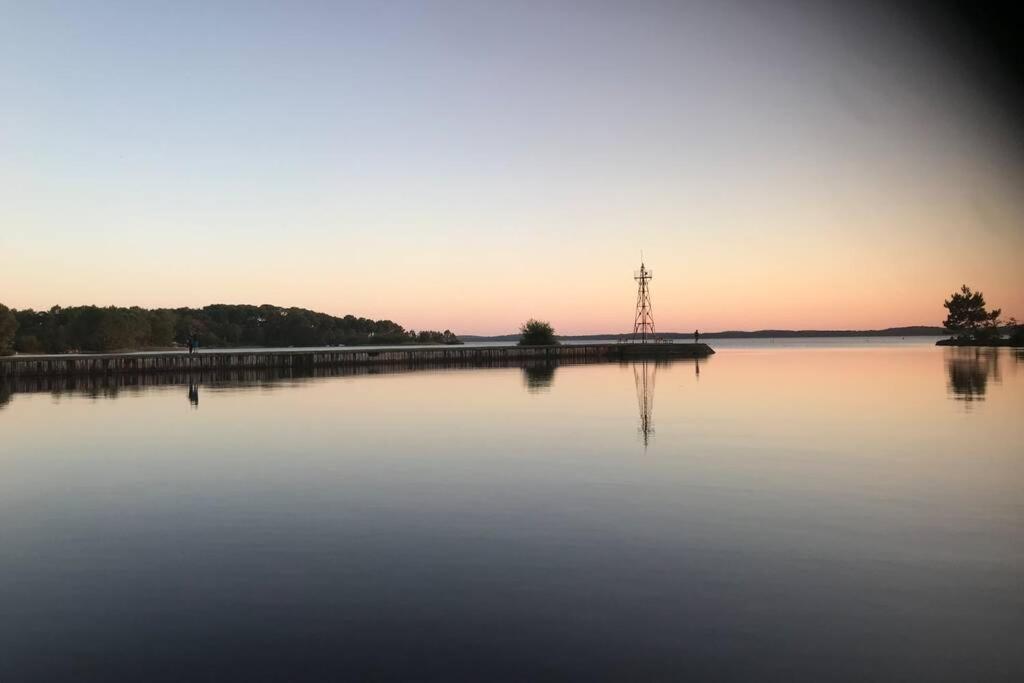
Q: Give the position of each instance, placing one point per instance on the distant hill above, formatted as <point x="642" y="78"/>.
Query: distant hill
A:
<point x="911" y="331"/>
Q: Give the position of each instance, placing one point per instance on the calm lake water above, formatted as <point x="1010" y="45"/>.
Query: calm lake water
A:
<point x="790" y="511"/>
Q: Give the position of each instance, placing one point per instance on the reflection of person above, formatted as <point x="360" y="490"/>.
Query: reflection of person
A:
<point x="193" y="394"/>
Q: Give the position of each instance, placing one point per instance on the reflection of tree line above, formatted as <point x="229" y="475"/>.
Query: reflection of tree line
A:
<point x="540" y="376"/>
<point x="969" y="370"/>
<point x="110" y="384"/>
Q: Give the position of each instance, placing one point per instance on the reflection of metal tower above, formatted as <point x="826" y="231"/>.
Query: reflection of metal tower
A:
<point x="643" y="376"/>
<point x="643" y="323"/>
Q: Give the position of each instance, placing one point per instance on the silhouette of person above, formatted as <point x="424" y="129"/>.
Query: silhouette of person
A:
<point x="696" y="336"/>
<point x="193" y="394"/>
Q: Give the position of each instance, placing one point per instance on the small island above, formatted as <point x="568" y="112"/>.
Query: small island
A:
<point x="972" y="324"/>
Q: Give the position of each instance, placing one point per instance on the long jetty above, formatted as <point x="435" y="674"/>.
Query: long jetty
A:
<point x="307" y="359"/>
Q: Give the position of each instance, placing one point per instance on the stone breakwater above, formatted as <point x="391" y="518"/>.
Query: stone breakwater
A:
<point x="304" y="359"/>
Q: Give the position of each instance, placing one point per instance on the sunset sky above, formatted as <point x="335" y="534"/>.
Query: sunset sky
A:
<point x="467" y="165"/>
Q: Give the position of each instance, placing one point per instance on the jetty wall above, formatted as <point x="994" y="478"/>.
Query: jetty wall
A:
<point x="304" y="359"/>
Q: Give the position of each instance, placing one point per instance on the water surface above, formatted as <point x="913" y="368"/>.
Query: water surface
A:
<point x="781" y="511"/>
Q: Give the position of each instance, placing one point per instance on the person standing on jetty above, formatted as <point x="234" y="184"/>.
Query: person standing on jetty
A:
<point x="696" y="336"/>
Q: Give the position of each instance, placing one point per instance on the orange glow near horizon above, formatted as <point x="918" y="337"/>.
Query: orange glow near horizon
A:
<point x="701" y="282"/>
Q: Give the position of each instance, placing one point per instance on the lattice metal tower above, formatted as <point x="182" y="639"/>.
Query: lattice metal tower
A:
<point x="643" y="322"/>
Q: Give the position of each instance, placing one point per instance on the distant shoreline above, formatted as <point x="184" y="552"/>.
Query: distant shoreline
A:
<point x="912" y="331"/>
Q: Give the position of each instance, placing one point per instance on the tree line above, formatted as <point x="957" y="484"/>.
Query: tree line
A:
<point x="112" y="328"/>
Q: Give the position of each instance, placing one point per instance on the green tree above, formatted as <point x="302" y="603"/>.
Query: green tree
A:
<point x="161" y="328"/>
<point x="537" y="333"/>
<point x="968" y="318"/>
<point x="29" y="343"/>
<point x="8" y="327"/>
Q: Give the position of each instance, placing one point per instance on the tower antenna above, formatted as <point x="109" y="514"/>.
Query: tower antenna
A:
<point x="643" y="321"/>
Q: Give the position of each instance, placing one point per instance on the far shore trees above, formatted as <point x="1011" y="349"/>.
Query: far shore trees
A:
<point x="94" y="328"/>
<point x="8" y="326"/>
<point x="537" y="333"/>
<point x="968" y="318"/>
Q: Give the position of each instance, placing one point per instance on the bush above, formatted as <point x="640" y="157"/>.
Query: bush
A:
<point x="537" y="333"/>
